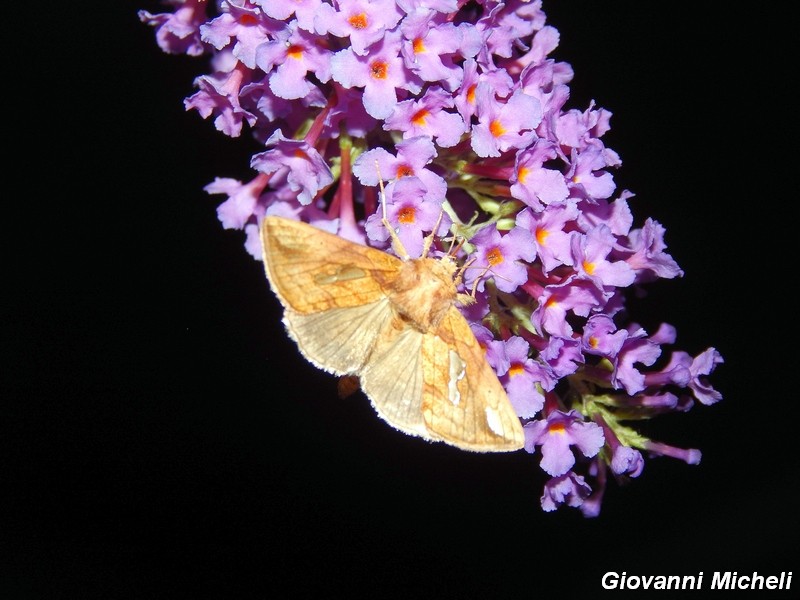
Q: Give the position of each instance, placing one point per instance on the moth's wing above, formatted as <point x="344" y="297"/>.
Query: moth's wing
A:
<point x="338" y="340"/>
<point x="312" y="271"/>
<point x="392" y="378"/>
<point x="463" y="402"/>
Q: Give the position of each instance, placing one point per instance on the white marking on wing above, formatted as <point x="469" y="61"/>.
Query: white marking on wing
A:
<point x="494" y="421"/>
<point x="456" y="373"/>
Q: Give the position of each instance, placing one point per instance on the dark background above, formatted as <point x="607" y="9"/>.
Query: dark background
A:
<point x="161" y="436"/>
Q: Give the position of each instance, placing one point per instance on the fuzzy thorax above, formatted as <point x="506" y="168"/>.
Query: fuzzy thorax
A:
<point x="424" y="291"/>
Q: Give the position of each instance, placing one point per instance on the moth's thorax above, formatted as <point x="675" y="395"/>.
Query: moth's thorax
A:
<point x="424" y="290"/>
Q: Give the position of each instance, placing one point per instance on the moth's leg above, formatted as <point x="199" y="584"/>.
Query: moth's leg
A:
<point x="477" y="281"/>
<point x="460" y="273"/>
<point x="467" y="299"/>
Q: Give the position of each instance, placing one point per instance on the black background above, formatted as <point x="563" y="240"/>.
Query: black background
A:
<point x="162" y="437"/>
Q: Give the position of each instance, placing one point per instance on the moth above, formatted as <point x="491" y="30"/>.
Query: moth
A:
<point x="393" y="323"/>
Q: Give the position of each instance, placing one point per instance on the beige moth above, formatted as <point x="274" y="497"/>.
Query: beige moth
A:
<point x="393" y="323"/>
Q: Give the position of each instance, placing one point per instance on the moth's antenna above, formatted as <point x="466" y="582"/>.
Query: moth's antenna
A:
<point x="396" y="243"/>
<point x="382" y="193"/>
<point x="429" y="238"/>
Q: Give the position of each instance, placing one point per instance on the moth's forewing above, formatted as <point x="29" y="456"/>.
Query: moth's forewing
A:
<point x="462" y="400"/>
<point x="313" y="271"/>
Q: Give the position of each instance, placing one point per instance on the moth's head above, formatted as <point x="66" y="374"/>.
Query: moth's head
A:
<point x="442" y="269"/>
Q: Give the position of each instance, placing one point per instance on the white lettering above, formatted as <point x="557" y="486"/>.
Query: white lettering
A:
<point x="721" y="581"/>
<point x="757" y="580"/>
<point x="610" y="580"/>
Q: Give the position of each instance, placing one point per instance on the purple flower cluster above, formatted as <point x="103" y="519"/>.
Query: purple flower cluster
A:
<point x="465" y="116"/>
